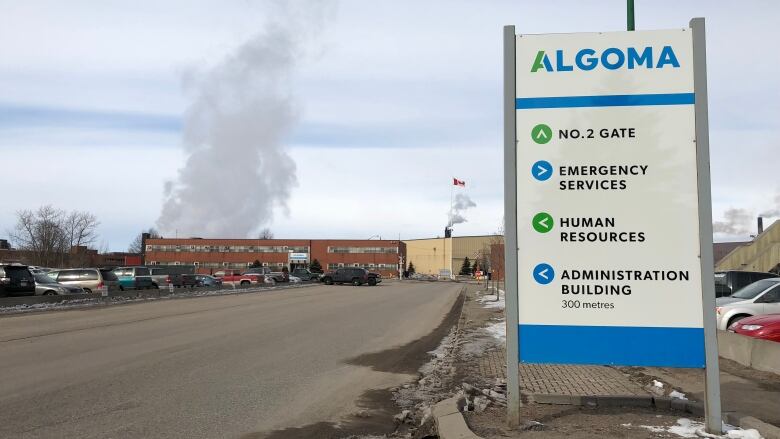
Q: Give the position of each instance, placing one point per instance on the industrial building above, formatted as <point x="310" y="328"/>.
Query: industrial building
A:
<point x="432" y="255"/>
<point x="761" y="254"/>
<point x="429" y="256"/>
<point x="212" y="255"/>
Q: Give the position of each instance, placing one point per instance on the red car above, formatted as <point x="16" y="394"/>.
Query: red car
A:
<point x="766" y="327"/>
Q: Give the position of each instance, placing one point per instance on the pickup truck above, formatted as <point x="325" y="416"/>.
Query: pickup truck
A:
<point x="354" y="276"/>
<point x="231" y="277"/>
<point x="278" y="276"/>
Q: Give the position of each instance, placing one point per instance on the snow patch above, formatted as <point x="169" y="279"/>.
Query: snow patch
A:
<point x="658" y="384"/>
<point x="691" y="429"/>
<point x="491" y="301"/>
<point x="678" y="395"/>
<point x="497" y="330"/>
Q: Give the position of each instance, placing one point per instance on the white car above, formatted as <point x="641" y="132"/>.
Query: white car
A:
<point x="761" y="297"/>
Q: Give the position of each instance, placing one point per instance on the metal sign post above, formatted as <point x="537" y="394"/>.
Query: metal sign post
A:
<point x="712" y="409"/>
<point x="607" y="203"/>
<point x="510" y="230"/>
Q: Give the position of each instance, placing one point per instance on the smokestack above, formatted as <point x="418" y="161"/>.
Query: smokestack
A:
<point x="447" y="232"/>
<point x="760" y="225"/>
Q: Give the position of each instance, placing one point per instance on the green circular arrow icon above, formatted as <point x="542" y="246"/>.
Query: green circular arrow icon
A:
<point x="543" y="222"/>
<point x="541" y="134"/>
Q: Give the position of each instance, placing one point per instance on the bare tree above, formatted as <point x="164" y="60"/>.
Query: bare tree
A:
<point x="137" y="244"/>
<point x="266" y="233"/>
<point x="42" y="234"/>
<point x="80" y="228"/>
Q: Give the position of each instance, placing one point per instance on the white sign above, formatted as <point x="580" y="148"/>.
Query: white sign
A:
<point x="299" y="256"/>
<point x="607" y="199"/>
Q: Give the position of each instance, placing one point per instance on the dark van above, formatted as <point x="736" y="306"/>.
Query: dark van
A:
<point x="728" y="282"/>
<point x="16" y="280"/>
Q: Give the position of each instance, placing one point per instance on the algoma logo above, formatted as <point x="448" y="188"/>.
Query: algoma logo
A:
<point x="611" y="59"/>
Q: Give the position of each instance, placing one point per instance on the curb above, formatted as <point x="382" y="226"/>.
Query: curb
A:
<point x="449" y="420"/>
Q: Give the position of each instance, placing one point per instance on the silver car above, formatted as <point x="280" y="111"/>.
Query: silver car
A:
<point x="762" y="297"/>
<point x="46" y="286"/>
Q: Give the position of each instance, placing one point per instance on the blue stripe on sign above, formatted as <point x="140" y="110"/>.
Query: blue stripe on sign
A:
<point x="614" y="345"/>
<point x="605" y="101"/>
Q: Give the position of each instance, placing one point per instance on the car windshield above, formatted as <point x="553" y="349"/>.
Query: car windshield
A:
<point x="754" y="289"/>
<point x="43" y="279"/>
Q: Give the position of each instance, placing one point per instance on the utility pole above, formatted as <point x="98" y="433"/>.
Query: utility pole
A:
<point x="630" y="15"/>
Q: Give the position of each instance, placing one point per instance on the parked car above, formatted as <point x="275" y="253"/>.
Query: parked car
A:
<point x="766" y="327"/>
<point x="294" y="279"/>
<point x="16" y="280"/>
<point x="306" y="274"/>
<point x="46" y="286"/>
<point x="729" y="282"/>
<point x="134" y="278"/>
<point x="762" y="297"/>
<point x="355" y="276"/>
<point x="189" y="280"/>
<point x="162" y="277"/>
<point x="204" y="280"/>
<point x="91" y="280"/>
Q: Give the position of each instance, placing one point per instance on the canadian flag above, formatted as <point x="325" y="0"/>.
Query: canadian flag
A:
<point x="457" y="182"/>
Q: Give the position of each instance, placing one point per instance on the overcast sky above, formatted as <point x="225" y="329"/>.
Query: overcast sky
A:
<point x="395" y="98"/>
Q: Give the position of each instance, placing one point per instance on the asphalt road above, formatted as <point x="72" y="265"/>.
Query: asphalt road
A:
<point x="210" y="367"/>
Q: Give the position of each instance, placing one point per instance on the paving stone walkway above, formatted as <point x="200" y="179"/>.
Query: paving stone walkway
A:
<point x="556" y="379"/>
<point x="548" y="379"/>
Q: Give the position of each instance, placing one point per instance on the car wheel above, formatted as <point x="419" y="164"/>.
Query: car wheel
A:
<point x="356" y="282"/>
<point x="50" y="293"/>
<point x="87" y="291"/>
<point x="372" y="281"/>
<point x="735" y="319"/>
<point x="155" y="286"/>
<point x="244" y="282"/>
<point x="121" y="288"/>
<point x="327" y="281"/>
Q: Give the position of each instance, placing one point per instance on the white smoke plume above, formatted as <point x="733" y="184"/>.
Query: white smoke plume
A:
<point x="237" y="168"/>
<point x="459" y="206"/>
<point x="736" y="222"/>
<point x="773" y="213"/>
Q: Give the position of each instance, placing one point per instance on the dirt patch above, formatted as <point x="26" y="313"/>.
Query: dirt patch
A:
<point x="374" y="418"/>
<point x="573" y="422"/>
<point x="765" y="380"/>
<point x="413" y="355"/>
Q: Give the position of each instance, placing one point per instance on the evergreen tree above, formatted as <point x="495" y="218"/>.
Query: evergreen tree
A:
<point x="256" y="264"/>
<point x="465" y="269"/>
<point x="411" y="268"/>
<point x="315" y="266"/>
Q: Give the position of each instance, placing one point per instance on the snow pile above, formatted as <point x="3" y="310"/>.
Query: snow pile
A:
<point x="658" y="384"/>
<point x="678" y="395"/>
<point x="691" y="429"/>
<point x="497" y="330"/>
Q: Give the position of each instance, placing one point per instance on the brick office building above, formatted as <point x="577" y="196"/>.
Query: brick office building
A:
<point x="212" y="255"/>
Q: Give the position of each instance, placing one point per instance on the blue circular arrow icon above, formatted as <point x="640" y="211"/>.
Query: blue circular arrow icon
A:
<point x="542" y="170"/>
<point x="544" y="273"/>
